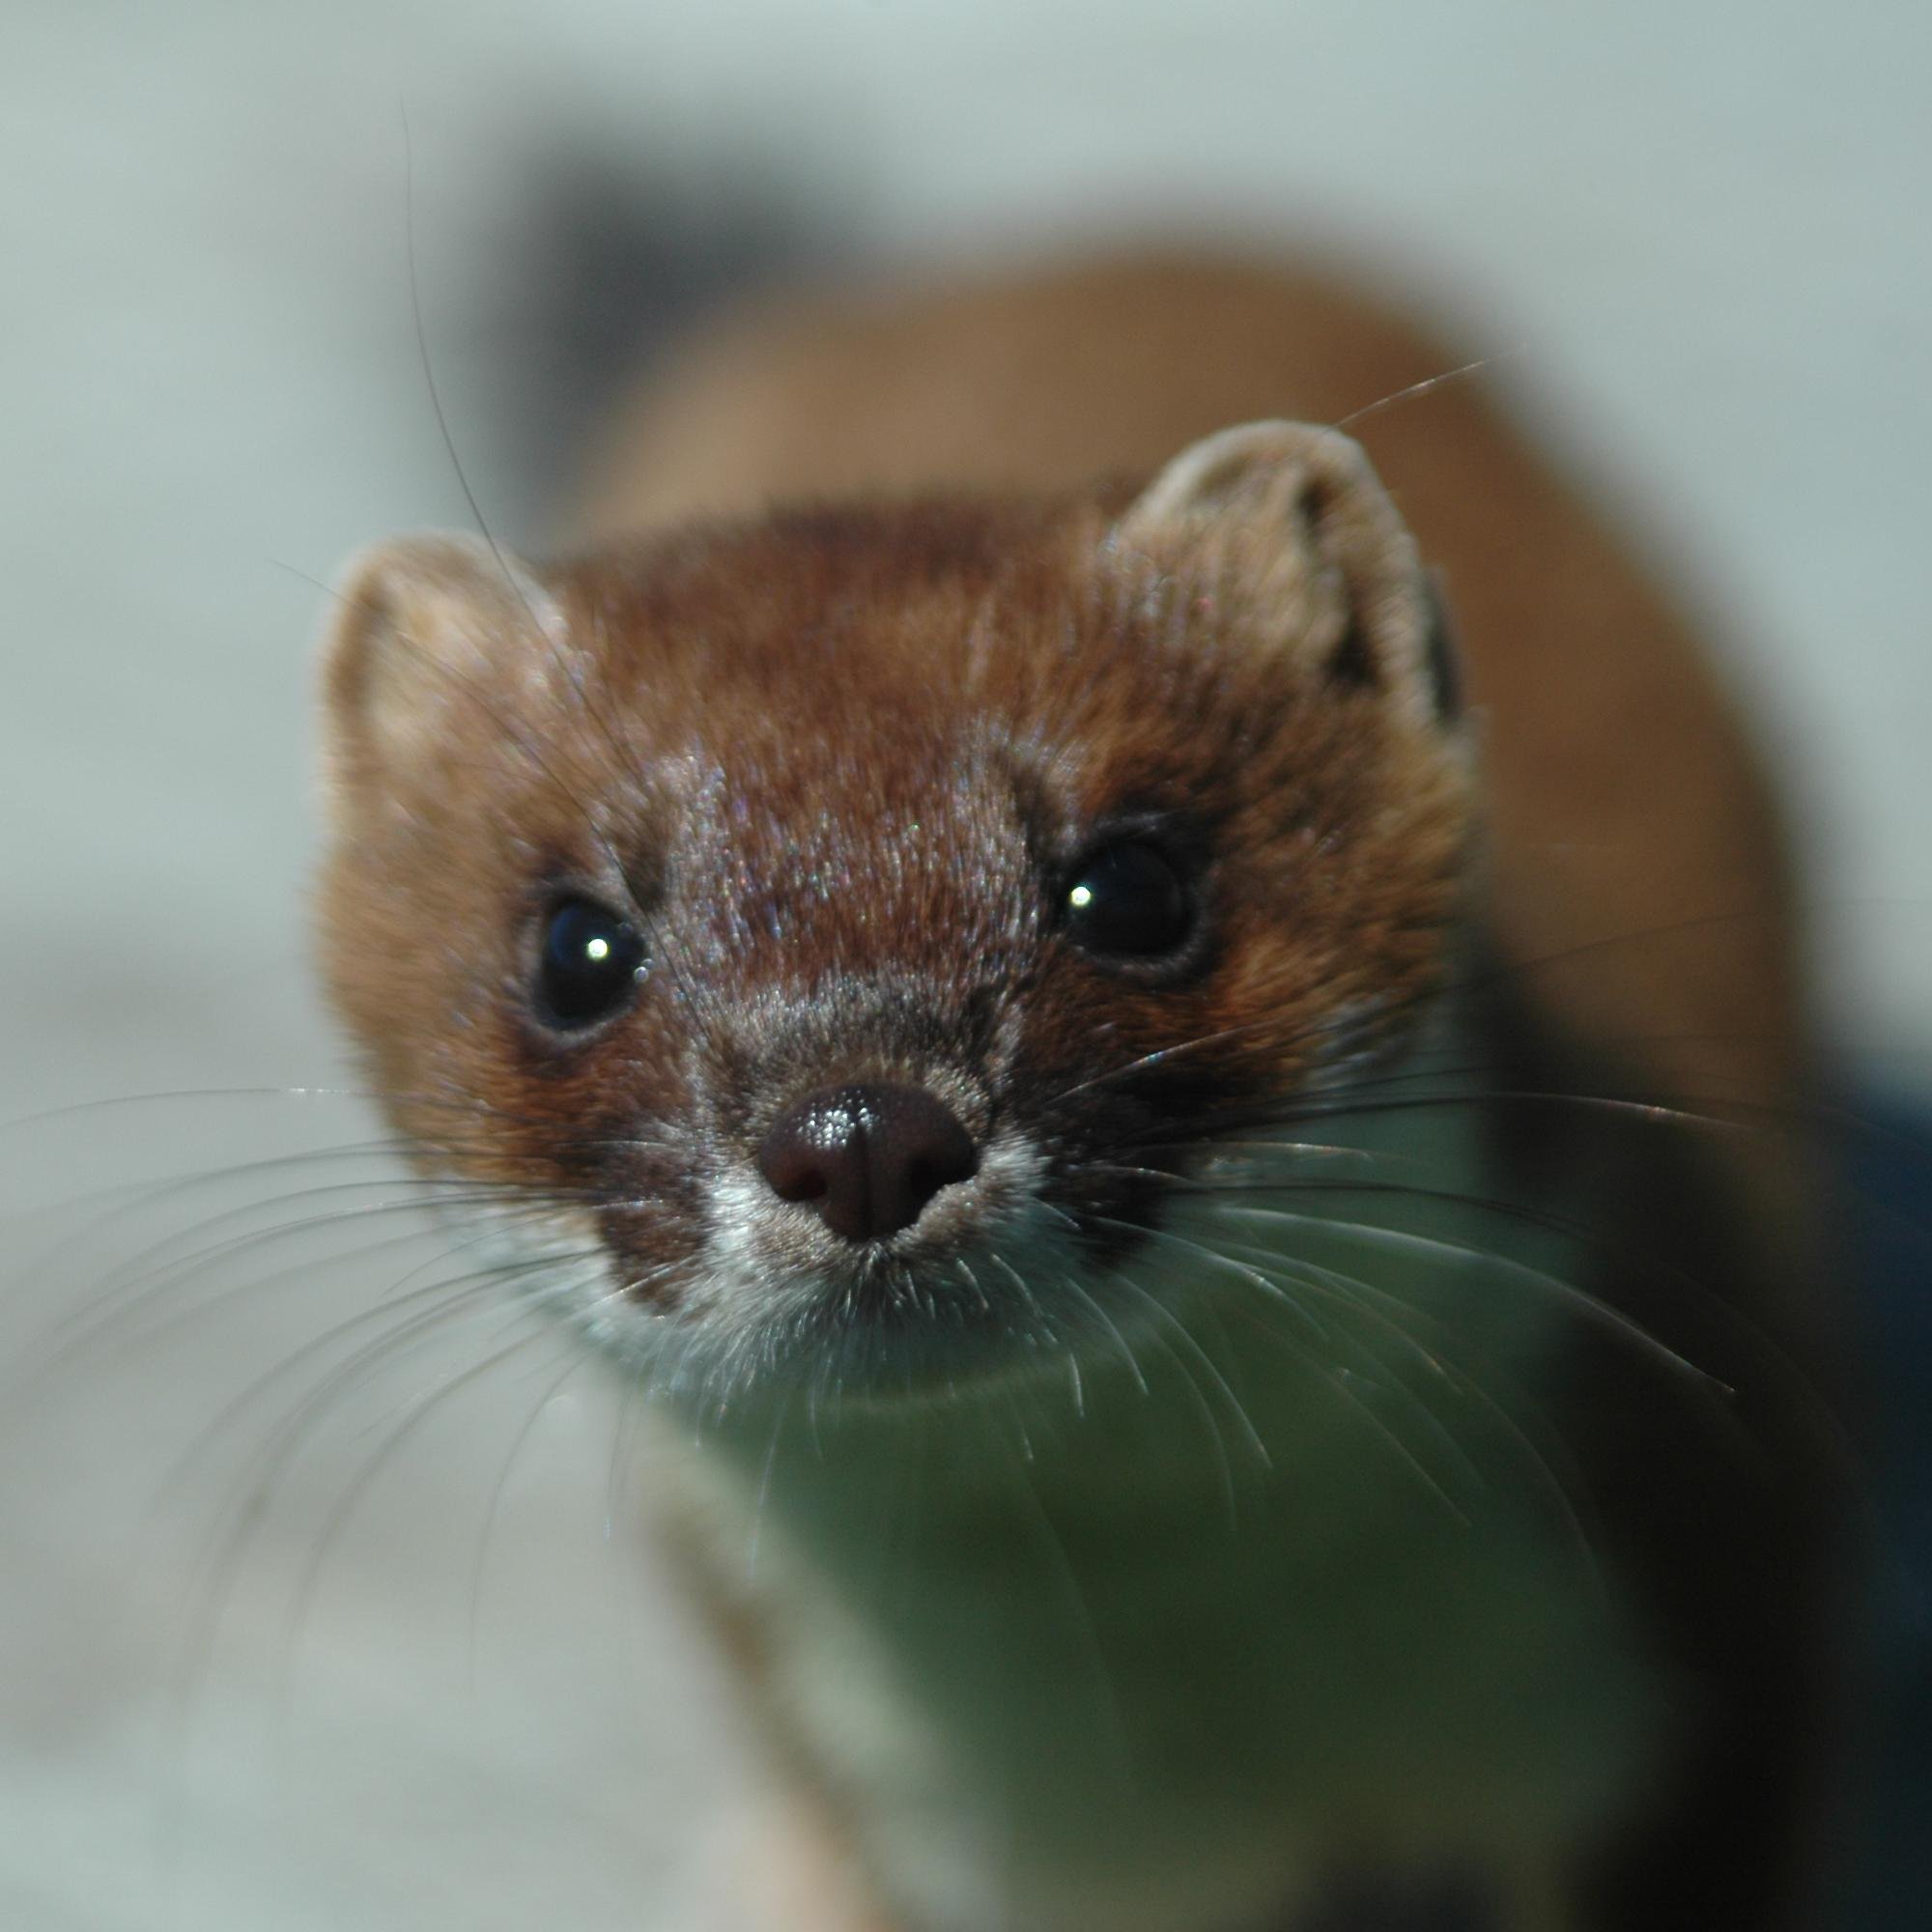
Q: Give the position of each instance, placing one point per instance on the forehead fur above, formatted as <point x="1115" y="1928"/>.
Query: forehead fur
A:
<point x="864" y="642"/>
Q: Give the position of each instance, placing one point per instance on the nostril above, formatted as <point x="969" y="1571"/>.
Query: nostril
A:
<point x="944" y="1167"/>
<point x="868" y="1158"/>
<point x="793" y="1164"/>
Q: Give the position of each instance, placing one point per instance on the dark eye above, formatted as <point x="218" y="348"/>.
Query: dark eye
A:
<point x="1127" y="900"/>
<point x="590" y="963"/>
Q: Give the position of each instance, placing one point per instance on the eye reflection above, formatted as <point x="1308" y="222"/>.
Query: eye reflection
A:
<point x="589" y="966"/>
<point x="1127" y="900"/>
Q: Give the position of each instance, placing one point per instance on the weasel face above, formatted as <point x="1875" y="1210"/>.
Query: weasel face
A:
<point x="847" y="930"/>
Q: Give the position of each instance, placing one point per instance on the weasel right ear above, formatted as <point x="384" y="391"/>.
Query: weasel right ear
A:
<point x="415" y="651"/>
<point x="1281" y="536"/>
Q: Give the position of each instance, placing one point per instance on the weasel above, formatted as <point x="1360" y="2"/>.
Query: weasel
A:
<point x="1234" y="1371"/>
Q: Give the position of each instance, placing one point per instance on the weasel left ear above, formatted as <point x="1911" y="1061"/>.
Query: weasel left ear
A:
<point x="1281" y="534"/>
<point x="426" y="630"/>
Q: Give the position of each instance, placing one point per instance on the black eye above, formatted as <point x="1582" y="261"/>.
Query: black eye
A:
<point x="590" y="962"/>
<point x="1127" y="900"/>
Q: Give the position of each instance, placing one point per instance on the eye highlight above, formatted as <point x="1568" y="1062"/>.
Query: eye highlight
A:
<point x="1127" y="899"/>
<point x="588" y="966"/>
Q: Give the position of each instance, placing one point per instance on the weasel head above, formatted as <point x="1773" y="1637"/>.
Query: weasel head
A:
<point x="839" y="936"/>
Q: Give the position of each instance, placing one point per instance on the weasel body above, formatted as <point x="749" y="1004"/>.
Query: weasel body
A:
<point x="1017" y="1004"/>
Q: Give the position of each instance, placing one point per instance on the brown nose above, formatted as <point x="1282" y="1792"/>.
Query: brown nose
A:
<point x="867" y="1158"/>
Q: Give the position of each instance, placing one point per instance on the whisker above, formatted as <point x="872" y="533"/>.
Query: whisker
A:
<point x="472" y="1287"/>
<point x="239" y="1520"/>
<point x="965" y="1269"/>
<point x="764" y="1494"/>
<point x="1215" y="1257"/>
<point x="1052" y="1546"/>
<point x="1159" y="1057"/>
<point x="128" y="1198"/>
<point x="1317" y="1362"/>
<point x="1427" y="385"/>
<point x="1028" y="1300"/>
<point x="1107" y="1322"/>
<point x="124" y="1299"/>
<point x="1257" y="1447"/>
<point x="456" y="1101"/>
<point x="622" y="1437"/>
<point x="1737" y="1323"/>
<point x="337" y="1520"/>
<point x="1593" y="1308"/>
<point x="1391" y="1313"/>
<point x="537" y="632"/>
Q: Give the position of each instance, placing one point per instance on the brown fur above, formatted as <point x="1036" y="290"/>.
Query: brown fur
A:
<point x="1624" y="798"/>
<point x="1064" y="654"/>
<point x="827" y="757"/>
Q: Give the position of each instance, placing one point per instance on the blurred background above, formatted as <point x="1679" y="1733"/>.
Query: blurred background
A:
<point x="377" y="1681"/>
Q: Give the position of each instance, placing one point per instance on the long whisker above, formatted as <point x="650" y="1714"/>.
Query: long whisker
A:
<point x="1427" y="385"/>
<point x="409" y="1426"/>
<point x="1257" y="1447"/>
<point x="125" y="1297"/>
<point x="1392" y="1314"/>
<point x="1321" y="1363"/>
<point x="1737" y="1323"/>
<point x="475" y="1286"/>
<point x="511" y="580"/>
<point x="1067" y="1580"/>
<point x="1159" y="1057"/>
<point x="1072" y="1285"/>
<point x="1592" y="1308"/>
<point x="486" y="1535"/>
<point x="239" y="1520"/>
<point x="1210" y="1420"/>
<point x="764" y="1495"/>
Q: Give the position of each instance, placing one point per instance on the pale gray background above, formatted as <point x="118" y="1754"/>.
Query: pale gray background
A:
<point x="1703" y="230"/>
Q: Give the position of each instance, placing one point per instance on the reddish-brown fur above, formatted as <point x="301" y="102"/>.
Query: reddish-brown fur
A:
<point x="829" y="673"/>
<point x="835" y="757"/>
<point x="1622" y="794"/>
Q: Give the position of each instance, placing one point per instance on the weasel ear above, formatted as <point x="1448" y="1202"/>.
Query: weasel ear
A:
<point x="1281" y="534"/>
<point x="415" y="655"/>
